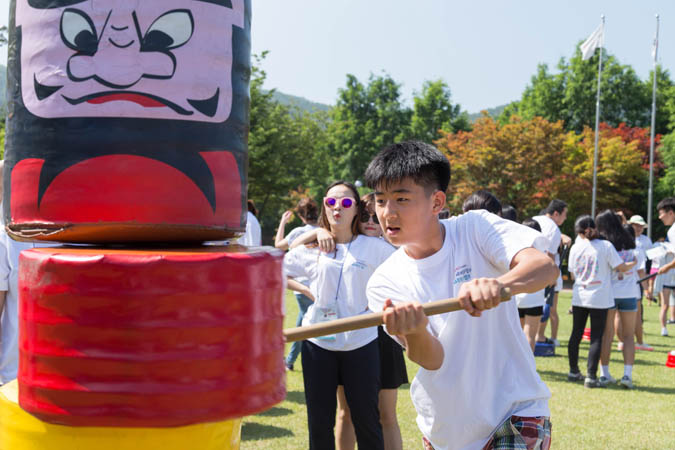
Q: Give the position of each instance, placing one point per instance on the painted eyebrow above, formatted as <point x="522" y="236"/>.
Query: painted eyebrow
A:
<point x="52" y="4"/>
<point x="225" y="3"/>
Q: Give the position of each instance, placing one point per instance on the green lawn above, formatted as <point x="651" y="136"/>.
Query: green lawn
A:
<point x="611" y="418"/>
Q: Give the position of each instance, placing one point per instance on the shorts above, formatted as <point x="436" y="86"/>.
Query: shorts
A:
<point x="533" y="311"/>
<point x="392" y="363"/>
<point x="516" y="433"/>
<point x="626" y="304"/>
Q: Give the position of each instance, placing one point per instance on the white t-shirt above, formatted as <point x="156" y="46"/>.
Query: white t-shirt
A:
<point x="625" y="284"/>
<point x="592" y="263"/>
<point x="342" y="274"/>
<point x="253" y="236"/>
<point x="298" y="231"/>
<point x="642" y="244"/>
<point x="9" y="281"/>
<point x="531" y="300"/>
<point x="488" y="373"/>
<point x="552" y="232"/>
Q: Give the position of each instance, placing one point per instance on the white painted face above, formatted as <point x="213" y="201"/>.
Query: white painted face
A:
<point x="156" y="59"/>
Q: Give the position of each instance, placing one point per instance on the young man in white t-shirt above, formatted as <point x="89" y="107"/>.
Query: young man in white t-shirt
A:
<point x="478" y="385"/>
<point x="666" y="209"/>
<point x="550" y="222"/>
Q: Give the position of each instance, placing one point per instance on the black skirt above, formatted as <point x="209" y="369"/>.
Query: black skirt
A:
<point x="392" y="363"/>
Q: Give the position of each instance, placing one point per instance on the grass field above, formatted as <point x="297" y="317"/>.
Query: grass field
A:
<point x="612" y="418"/>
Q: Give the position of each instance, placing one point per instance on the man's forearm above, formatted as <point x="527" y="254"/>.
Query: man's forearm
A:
<point x="424" y="349"/>
<point x="531" y="271"/>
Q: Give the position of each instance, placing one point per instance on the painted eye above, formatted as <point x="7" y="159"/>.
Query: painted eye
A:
<point x="78" y="31"/>
<point x="168" y="31"/>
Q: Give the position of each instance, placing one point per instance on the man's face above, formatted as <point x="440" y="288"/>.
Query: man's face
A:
<point x="667" y="217"/>
<point x="406" y="212"/>
<point x="158" y="59"/>
<point x="559" y="218"/>
<point x="637" y="228"/>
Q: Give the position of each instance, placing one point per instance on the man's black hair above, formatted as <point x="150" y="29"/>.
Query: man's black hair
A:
<point x="667" y="204"/>
<point x="509" y="213"/>
<point x="482" y="200"/>
<point x="556" y="206"/>
<point x="532" y="224"/>
<point x="420" y="162"/>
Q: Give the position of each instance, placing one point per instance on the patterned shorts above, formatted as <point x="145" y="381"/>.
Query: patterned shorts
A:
<point x="517" y="433"/>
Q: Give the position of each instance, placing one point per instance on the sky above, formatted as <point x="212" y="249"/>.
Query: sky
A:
<point x="485" y="50"/>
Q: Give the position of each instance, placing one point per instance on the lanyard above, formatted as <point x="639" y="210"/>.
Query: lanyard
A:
<point x="342" y="267"/>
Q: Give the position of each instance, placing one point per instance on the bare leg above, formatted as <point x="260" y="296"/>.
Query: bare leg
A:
<point x="541" y="331"/>
<point x="607" y="338"/>
<point x="530" y="326"/>
<point x="345" y="437"/>
<point x="554" y="317"/>
<point x="639" y="337"/>
<point x="628" y="330"/>
<point x="664" y="295"/>
<point x="390" y="428"/>
<point x="618" y="327"/>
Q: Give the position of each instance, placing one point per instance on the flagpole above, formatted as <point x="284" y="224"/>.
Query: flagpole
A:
<point x="597" y="123"/>
<point x="651" y="143"/>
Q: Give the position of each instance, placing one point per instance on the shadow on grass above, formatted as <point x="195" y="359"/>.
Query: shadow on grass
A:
<point x="251" y="431"/>
<point x="553" y="376"/>
<point x="275" y="412"/>
<point x="296" y="397"/>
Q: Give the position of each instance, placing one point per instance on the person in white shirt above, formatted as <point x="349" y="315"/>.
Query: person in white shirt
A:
<point x="625" y="293"/>
<point x="642" y="244"/>
<point x="337" y="281"/>
<point x="253" y="235"/>
<point x="590" y="263"/>
<point x="666" y="209"/>
<point x="531" y="306"/>
<point x="308" y="212"/>
<point x="550" y="222"/>
<point x="477" y="386"/>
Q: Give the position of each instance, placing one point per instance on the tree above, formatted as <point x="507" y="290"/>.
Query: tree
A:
<point x="364" y="119"/>
<point x="433" y="111"/>
<point x="282" y="148"/>
<point x="3" y="35"/>
<point x="526" y="163"/>
<point x="570" y="95"/>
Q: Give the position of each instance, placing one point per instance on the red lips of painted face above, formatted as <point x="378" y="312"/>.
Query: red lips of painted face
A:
<point x="129" y="97"/>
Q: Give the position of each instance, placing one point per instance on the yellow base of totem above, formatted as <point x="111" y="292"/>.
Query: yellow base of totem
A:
<point x="21" y="431"/>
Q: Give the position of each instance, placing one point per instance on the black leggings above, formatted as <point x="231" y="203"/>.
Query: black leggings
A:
<point x="359" y="371"/>
<point x="598" y="320"/>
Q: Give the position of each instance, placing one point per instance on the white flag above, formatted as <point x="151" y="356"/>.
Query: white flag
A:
<point x="595" y="40"/>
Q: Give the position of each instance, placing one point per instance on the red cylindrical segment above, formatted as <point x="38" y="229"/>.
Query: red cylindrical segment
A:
<point x="150" y="338"/>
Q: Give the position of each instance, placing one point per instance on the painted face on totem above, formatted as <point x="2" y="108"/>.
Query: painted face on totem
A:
<point x="156" y="59"/>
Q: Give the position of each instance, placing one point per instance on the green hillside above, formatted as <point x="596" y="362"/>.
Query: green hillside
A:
<point x="300" y="102"/>
<point x="493" y="112"/>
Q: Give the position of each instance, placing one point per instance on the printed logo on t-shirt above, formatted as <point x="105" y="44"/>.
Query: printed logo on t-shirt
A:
<point x="586" y="268"/>
<point x="462" y="274"/>
<point x="359" y="265"/>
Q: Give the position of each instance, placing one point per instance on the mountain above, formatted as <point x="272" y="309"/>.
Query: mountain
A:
<point x="493" y="112"/>
<point x="300" y="102"/>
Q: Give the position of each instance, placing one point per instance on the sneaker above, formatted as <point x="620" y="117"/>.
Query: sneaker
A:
<point x="619" y="345"/>
<point x="626" y="382"/>
<point x="556" y="343"/>
<point x="592" y="383"/>
<point x="644" y="346"/>
<point x="664" y="331"/>
<point x="575" y="376"/>
<point x="289" y="367"/>
<point x="670" y="321"/>
<point x="604" y="381"/>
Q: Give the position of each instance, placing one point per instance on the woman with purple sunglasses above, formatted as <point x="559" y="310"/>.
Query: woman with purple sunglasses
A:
<point x="338" y="283"/>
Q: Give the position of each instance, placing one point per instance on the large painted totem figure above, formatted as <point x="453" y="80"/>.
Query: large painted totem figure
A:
<point x="128" y="124"/>
<point x="109" y="98"/>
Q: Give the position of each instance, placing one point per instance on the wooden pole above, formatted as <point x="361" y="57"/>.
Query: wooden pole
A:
<point x="371" y="320"/>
